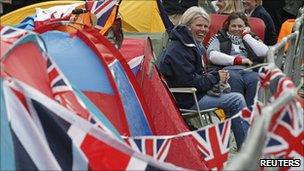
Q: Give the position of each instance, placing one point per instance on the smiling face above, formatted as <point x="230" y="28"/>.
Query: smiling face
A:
<point x="199" y="28"/>
<point x="236" y="27"/>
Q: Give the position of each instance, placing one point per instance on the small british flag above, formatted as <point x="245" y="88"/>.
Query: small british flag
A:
<point x="156" y="147"/>
<point x="102" y="9"/>
<point x="213" y="143"/>
<point x="286" y="135"/>
<point x="11" y="33"/>
<point x="57" y="82"/>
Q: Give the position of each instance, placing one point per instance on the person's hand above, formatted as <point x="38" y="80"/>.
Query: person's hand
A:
<point x="224" y="75"/>
<point x="246" y="61"/>
<point x="246" y="30"/>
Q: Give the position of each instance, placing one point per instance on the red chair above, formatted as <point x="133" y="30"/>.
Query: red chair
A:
<point x="257" y="26"/>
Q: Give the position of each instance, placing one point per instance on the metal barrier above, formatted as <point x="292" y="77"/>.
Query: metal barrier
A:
<point x="291" y="62"/>
<point x="288" y="54"/>
<point x="277" y="55"/>
<point x="249" y="156"/>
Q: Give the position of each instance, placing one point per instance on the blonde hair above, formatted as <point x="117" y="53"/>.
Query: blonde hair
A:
<point x="192" y="14"/>
<point x="232" y="6"/>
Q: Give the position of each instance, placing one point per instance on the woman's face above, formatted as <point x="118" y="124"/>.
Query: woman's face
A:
<point x="236" y="27"/>
<point x="199" y="28"/>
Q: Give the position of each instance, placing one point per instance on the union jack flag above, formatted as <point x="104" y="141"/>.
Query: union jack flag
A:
<point x="57" y="82"/>
<point x="102" y="9"/>
<point x="213" y="143"/>
<point x="8" y="33"/>
<point x="64" y="94"/>
<point x="43" y="135"/>
<point x="158" y="148"/>
<point x="286" y="136"/>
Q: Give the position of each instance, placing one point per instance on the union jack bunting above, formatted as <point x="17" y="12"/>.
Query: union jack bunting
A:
<point x="8" y="33"/>
<point x="285" y="135"/>
<point x="57" y="82"/>
<point x="266" y="74"/>
<point x="156" y="147"/>
<point x="213" y="143"/>
<point x="102" y="9"/>
<point x="286" y="138"/>
<point x="43" y="135"/>
<point x="64" y="94"/>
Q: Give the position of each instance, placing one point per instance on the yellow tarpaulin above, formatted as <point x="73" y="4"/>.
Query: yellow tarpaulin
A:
<point x="137" y="16"/>
<point x="140" y="16"/>
<point x="15" y="17"/>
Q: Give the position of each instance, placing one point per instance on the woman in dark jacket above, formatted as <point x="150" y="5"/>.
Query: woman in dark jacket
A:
<point x="182" y="66"/>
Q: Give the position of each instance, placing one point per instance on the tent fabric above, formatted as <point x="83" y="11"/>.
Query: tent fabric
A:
<point x="104" y="49"/>
<point x="141" y="16"/>
<point x="61" y="140"/>
<point x="15" y="17"/>
<point x="165" y="114"/>
<point x="37" y="70"/>
<point x="110" y="54"/>
<point x="84" y="70"/>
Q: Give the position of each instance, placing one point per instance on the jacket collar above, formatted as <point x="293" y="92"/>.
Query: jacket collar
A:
<point x="183" y="34"/>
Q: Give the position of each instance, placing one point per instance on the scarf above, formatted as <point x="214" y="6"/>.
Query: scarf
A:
<point x="234" y="39"/>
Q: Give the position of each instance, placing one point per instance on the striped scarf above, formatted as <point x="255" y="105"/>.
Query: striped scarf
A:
<point x="234" y="39"/>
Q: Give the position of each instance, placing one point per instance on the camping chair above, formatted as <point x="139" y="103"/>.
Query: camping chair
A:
<point x="196" y="117"/>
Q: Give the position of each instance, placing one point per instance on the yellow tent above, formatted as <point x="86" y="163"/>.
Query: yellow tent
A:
<point x="15" y="17"/>
<point x="140" y="16"/>
<point x="137" y="16"/>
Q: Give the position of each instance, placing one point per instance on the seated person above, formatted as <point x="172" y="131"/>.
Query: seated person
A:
<point x="181" y="64"/>
<point x="254" y="8"/>
<point x="234" y="48"/>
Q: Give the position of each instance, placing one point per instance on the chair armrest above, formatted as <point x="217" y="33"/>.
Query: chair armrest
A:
<point x="183" y="90"/>
<point x="203" y="111"/>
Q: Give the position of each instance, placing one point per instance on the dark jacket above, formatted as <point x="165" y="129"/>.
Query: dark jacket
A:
<point x="293" y="6"/>
<point x="270" y="31"/>
<point x="181" y="65"/>
<point x="178" y="6"/>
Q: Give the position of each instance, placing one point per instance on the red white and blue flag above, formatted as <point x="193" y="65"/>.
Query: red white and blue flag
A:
<point x="157" y="147"/>
<point x="11" y="33"/>
<point x="43" y="135"/>
<point x="57" y="81"/>
<point x="286" y="130"/>
<point x="213" y="143"/>
<point x="102" y="9"/>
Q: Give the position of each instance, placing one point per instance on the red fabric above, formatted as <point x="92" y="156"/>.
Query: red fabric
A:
<point x="244" y="34"/>
<point x="128" y="48"/>
<point x="112" y="109"/>
<point x="237" y="60"/>
<point x="26" y="64"/>
<point x="102" y="47"/>
<point x="166" y="116"/>
<point x="111" y="106"/>
<point x="98" y="154"/>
